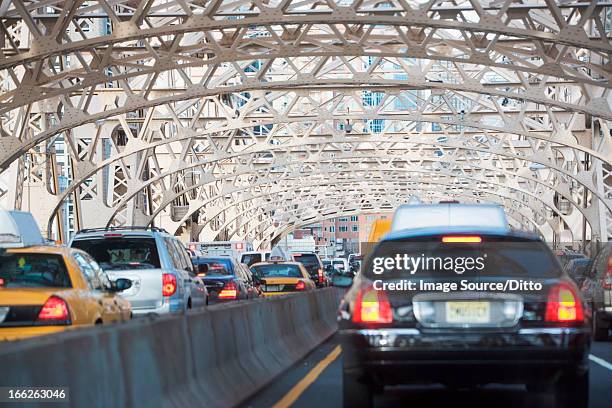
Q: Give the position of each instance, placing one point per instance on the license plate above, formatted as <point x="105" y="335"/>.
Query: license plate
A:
<point x="468" y="312"/>
<point x="272" y="288"/>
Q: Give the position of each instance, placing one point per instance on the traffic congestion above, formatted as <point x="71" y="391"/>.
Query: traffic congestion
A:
<point x="441" y="290"/>
<point x="110" y="275"/>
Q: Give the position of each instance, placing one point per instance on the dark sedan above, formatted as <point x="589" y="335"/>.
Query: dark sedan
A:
<point x="463" y="307"/>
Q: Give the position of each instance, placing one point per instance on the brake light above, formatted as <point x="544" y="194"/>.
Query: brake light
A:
<point x="54" y="309"/>
<point x="607" y="280"/>
<point x="229" y="291"/>
<point x="462" y="239"/>
<point x="113" y="235"/>
<point x="300" y="285"/>
<point x="563" y="304"/>
<point x="372" y="306"/>
<point x="321" y="278"/>
<point x="168" y="284"/>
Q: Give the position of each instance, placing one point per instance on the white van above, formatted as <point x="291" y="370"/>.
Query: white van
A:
<point x="410" y="216"/>
<point x="253" y="257"/>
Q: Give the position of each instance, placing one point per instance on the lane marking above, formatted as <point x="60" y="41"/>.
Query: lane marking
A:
<point x="600" y="361"/>
<point x="290" y="398"/>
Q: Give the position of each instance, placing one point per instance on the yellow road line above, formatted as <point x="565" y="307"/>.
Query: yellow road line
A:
<point x="290" y="398"/>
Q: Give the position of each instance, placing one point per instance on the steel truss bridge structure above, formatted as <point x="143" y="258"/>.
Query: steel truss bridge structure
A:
<point x="238" y="119"/>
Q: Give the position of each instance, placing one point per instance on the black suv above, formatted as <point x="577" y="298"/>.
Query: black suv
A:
<point x="486" y="305"/>
<point x="314" y="266"/>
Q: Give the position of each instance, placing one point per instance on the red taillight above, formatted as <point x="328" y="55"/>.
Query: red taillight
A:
<point x="54" y="309"/>
<point x="607" y="280"/>
<point x="321" y="277"/>
<point x="300" y="285"/>
<point x="470" y="239"/>
<point x="372" y="306"/>
<point x="563" y="304"/>
<point x="113" y="235"/>
<point x="168" y="284"/>
<point x="1" y="282"/>
<point x="229" y="291"/>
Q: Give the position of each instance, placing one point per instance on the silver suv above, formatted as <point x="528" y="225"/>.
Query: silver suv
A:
<point x="157" y="263"/>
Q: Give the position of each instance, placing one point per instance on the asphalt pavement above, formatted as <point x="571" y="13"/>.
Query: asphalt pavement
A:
<point x="316" y="381"/>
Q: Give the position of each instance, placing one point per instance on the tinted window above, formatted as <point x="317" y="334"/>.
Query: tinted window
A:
<point x="277" y="271"/>
<point x="22" y="270"/>
<point x="216" y="266"/>
<point x="307" y="259"/>
<point x="251" y="259"/>
<point x="121" y="253"/>
<point x="176" y="252"/>
<point x="494" y="257"/>
<point x="91" y="275"/>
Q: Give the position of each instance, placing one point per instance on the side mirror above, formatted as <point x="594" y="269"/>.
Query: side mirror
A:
<point x="120" y="285"/>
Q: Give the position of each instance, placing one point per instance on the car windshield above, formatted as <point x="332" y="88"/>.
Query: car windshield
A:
<point x="338" y="262"/>
<point x="215" y="266"/>
<point x="250" y="259"/>
<point x="430" y="257"/>
<point x="277" y="271"/>
<point x="121" y="253"/>
<point x="28" y="270"/>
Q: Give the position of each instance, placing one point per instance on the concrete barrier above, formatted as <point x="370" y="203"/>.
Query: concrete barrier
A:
<point x="212" y="358"/>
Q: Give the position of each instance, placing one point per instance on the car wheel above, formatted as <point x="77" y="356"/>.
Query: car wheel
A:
<point x="355" y="394"/>
<point x="572" y="390"/>
<point x="599" y="333"/>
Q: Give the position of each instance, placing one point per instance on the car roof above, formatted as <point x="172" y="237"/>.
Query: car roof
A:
<point x="126" y="230"/>
<point x="214" y="258"/>
<point x="424" y="232"/>
<point x="42" y="249"/>
<point x="415" y="216"/>
<point x="276" y="263"/>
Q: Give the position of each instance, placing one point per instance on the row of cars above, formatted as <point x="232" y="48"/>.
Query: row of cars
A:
<point x="108" y="275"/>
<point x="261" y="273"/>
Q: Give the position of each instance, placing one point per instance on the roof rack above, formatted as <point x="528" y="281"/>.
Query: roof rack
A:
<point x="123" y="228"/>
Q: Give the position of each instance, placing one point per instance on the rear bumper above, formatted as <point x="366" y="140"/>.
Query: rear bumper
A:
<point x="163" y="307"/>
<point x="398" y="356"/>
<point x="17" y="333"/>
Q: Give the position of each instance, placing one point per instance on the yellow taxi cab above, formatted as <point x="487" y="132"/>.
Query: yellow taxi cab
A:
<point x="281" y="278"/>
<point x="47" y="289"/>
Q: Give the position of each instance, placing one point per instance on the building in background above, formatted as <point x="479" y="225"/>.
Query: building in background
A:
<point x="340" y="236"/>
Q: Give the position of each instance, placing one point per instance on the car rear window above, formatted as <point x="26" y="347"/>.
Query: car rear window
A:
<point x="27" y="270"/>
<point x="216" y="267"/>
<point x="250" y="259"/>
<point x="306" y="259"/>
<point x="121" y="253"/>
<point x="277" y="271"/>
<point x="493" y="257"/>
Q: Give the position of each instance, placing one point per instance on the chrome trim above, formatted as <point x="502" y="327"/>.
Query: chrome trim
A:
<point x="553" y="330"/>
<point x="382" y="332"/>
<point x="415" y="332"/>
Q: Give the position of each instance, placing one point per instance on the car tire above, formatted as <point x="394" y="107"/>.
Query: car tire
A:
<point x="599" y="333"/>
<point x="355" y="394"/>
<point x="572" y="390"/>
